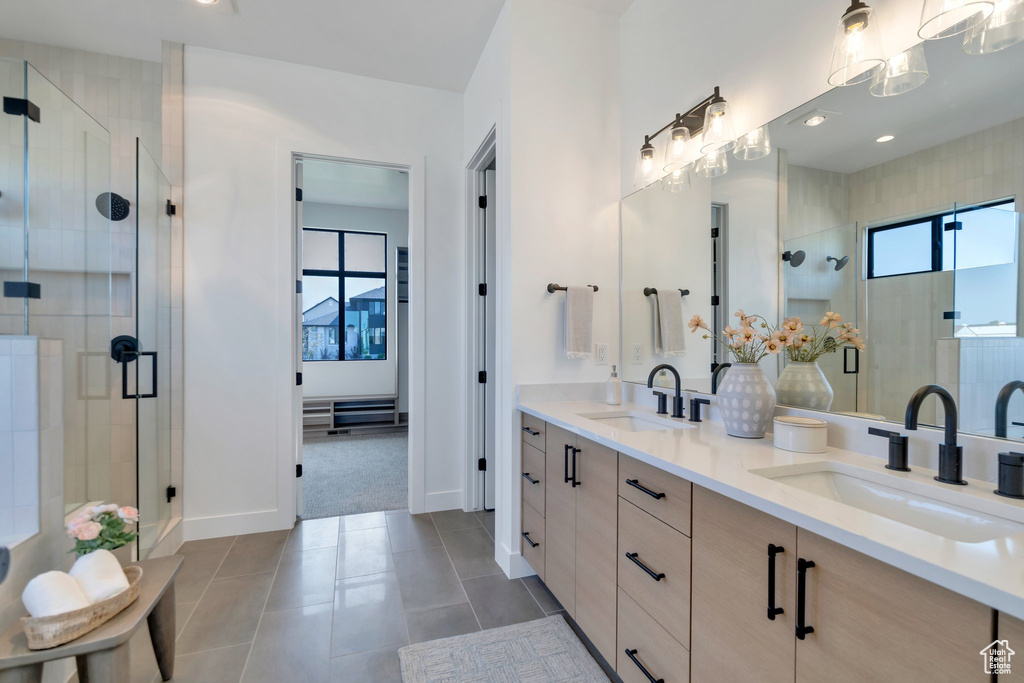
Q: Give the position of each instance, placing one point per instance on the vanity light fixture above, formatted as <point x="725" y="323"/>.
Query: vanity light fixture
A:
<point x="714" y="164"/>
<point x="647" y="169"/>
<point x="902" y="73"/>
<point x="677" y="181"/>
<point x="678" y="152"/>
<point x="815" y="120"/>
<point x="945" y="18"/>
<point x="857" y="50"/>
<point x="754" y="145"/>
<point x="1005" y="28"/>
<point x="886" y="138"/>
<point x="718" y="130"/>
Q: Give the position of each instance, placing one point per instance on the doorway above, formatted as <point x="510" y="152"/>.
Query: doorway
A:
<point x="352" y="326"/>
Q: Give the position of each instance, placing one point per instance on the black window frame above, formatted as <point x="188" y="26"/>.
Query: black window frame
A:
<point x="341" y="274"/>
<point x="938" y="234"/>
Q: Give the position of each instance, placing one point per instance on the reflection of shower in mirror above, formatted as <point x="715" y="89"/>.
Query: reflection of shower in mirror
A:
<point x="794" y="258"/>
<point x="840" y="262"/>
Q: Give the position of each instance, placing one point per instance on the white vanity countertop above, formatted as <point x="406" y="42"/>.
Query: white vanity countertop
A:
<point x="991" y="572"/>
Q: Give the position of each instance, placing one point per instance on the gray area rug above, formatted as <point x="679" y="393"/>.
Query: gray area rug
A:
<point x="540" y="651"/>
<point x="349" y="475"/>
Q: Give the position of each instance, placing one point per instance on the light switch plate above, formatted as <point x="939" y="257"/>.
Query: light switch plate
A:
<point x="602" y="354"/>
<point x="636" y="352"/>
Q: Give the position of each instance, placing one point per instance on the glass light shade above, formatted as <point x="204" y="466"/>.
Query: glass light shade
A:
<point x="714" y="164"/>
<point x="945" y="18"/>
<point x="753" y="145"/>
<point x="857" y="51"/>
<point x="1003" y="29"/>
<point x="677" y="148"/>
<point x="678" y="180"/>
<point x="648" y="170"/>
<point x="902" y="73"/>
<point x="718" y="130"/>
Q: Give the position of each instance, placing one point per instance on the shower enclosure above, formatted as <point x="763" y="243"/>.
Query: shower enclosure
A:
<point x="78" y="261"/>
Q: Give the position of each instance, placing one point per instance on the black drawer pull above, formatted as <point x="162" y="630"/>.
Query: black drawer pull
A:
<point x="773" y="550"/>
<point x="526" y="535"/>
<point x="635" y="483"/>
<point x="526" y="475"/>
<point x="567" y="447"/>
<point x="575" y="452"/>
<point x="632" y="655"/>
<point x="530" y="431"/>
<point x="802" y="566"/>
<point x="653" y="574"/>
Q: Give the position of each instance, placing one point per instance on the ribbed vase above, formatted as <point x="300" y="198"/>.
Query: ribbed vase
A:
<point x="746" y="401"/>
<point x="804" y="385"/>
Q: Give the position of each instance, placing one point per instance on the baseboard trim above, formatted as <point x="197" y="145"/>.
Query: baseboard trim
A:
<point x="200" y="528"/>
<point x="442" y="500"/>
<point x="514" y="565"/>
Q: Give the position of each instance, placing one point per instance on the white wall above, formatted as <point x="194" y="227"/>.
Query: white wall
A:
<point x="244" y="116"/>
<point x="366" y="378"/>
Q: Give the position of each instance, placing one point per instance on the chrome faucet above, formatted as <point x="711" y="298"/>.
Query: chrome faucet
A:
<point x="714" y="375"/>
<point x="1003" y="405"/>
<point x="677" y="402"/>
<point x="951" y="456"/>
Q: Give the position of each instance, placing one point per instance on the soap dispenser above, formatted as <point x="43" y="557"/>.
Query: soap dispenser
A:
<point x="613" y="389"/>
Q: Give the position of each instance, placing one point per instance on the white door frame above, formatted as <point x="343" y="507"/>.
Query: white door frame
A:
<point x="290" y="412"/>
<point x="475" y="188"/>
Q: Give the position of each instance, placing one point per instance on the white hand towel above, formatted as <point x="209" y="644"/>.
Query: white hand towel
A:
<point x="669" y="337"/>
<point x="99" y="575"/>
<point x="579" y="321"/>
<point x="53" y="593"/>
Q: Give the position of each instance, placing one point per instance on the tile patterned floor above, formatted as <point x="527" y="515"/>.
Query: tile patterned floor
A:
<point x="334" y="599"/>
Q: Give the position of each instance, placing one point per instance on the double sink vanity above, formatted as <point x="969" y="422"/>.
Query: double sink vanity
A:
<point x="685" y="554"/>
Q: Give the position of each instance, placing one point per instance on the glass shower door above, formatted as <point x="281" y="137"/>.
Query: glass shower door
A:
<point x="152" y="371"/>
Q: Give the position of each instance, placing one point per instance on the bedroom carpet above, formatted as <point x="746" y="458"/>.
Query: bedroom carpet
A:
<point x="349" y="475"/>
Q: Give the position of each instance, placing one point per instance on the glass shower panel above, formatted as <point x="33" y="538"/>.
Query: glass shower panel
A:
<point x="153" y="331"/>
<point x="818" y="285"/>
<point x="987" y="349"/>
<point x="69" y="246"/>
<point x="13" y="221"/>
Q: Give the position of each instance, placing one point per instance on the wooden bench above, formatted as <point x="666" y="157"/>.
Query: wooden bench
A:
<point x="102" y="655"/>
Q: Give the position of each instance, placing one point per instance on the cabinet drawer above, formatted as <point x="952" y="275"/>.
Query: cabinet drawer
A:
<point x="533" y="431"/>
<point x="669" y="499"/>
<point x="664" y="593"/>
<point x="654" y="648"/>
<point x="533" y="526"/>
<point x="533" y="477"/>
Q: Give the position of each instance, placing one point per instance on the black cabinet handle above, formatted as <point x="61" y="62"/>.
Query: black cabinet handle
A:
<point x="526" y="535"/>
<point x="802" y="566"/>
<point x="530" y="431"/>
<point x="632" y="655"/>
<point x="635" y="483"/>
<point x="567" y="463"/>
<point x="575" y="452"/>
<point x="526" y="475"/>
<point x="650" y="572"/>
<point x="773" y="550"/>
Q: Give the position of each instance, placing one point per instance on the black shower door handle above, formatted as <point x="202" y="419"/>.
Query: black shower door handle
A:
<point x="124" y="374"/>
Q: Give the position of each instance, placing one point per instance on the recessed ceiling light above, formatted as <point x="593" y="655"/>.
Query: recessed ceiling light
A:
<point x="815" y="120"/>
<point x="886" y="138"/>
<point x="207" y="2"/>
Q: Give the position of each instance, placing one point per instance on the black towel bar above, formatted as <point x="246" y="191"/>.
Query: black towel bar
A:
<point x="651" y="290"/>
<point x="552" y="288"/>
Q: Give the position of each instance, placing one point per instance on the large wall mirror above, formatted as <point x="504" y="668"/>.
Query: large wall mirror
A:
<point x="900" y="213"/>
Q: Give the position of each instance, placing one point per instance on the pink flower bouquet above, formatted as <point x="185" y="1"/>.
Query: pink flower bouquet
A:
<point x="103" y="527"/>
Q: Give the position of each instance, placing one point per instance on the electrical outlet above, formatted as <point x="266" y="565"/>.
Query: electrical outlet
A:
<point x="602" y="354"/>
<point x="636" y="352"/>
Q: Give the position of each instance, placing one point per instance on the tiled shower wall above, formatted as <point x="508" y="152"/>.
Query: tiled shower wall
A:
<point x="974" y="370"/>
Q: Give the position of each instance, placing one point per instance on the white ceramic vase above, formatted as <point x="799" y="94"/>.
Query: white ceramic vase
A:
<point x="746" y="401"/>
<point x="804" y="385"/>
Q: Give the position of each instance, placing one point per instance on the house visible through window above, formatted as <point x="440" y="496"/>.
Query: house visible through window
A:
<point x="350" y="267"/>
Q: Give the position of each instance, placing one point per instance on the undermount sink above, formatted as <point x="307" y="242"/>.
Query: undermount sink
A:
<point x="634" y="421"/>
<point x="917" y="504"/>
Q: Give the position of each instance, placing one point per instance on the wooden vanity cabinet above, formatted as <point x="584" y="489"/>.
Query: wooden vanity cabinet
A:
<point x="1011" y="630"/>
<point x="560" y="519"/>
<point x="869" y="621"/>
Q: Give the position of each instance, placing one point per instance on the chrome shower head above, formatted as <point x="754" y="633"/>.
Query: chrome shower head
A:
<point x="840" y="262"/>
<point x="794" y="258"/>
<point x="112" y="206"/>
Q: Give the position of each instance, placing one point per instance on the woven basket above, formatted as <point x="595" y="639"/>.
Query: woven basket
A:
<point x="46" y="632"/>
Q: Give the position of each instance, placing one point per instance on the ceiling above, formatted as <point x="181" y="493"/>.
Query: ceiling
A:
<point x="432" y="43"/>
<point x="336" y="182"/>
<point x="963" y="94"/>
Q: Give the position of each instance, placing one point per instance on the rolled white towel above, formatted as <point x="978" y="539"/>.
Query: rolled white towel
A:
<point x="53" y="593"/>
<point x="99" y="574"/>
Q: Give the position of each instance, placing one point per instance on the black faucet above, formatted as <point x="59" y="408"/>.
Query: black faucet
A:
<point x="695" y="404"/>
<point x="1003" y="404"/>
<point x="951" y="456"/>
<point x="714" y="376"/>
<point x="677" y="402"/>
